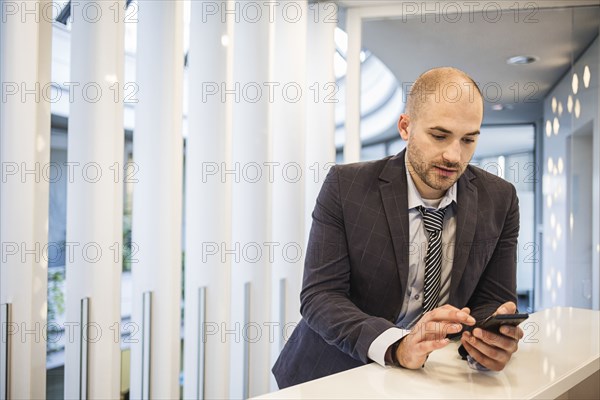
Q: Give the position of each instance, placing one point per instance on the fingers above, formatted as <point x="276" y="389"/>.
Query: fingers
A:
<point x="431" y="345"/>
<point x="507" y="308"/>
<point x="413" y="355"/>
<point x="493" y="340"/>
<point x="481" y="358"/>
<point x="449" y="314"/>
<point x="434" y="330"/>
<point x="429" y="334"/>
<point x="491" y="350"/>
<point x="440" y="322"/>
<point x="512" y="331"/>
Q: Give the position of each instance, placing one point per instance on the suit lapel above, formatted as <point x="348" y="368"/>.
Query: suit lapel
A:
<point x="466" y="220"/>
<point x="393" y="189"/>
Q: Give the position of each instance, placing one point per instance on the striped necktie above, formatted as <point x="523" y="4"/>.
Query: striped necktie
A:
<point x="433" y="220"/>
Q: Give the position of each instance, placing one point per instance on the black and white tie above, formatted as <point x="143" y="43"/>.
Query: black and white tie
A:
<point x="433" y="220"/>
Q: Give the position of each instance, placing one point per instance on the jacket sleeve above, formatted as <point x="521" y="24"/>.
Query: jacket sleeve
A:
<point x="325" y="297"/>
<point x="498" y="283"/>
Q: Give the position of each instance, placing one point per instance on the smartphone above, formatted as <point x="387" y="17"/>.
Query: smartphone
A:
<point x="494" y="322"/>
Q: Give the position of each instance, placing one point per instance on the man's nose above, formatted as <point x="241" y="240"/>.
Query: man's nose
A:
<point x="452" y="152"/>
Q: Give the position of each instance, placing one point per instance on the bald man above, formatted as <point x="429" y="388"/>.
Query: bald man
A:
<point x="406" y="250"/>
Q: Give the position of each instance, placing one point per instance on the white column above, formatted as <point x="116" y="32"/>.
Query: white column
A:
<point x="157" y="198"/>
<point x="354" y="29"/>
<point x="250" y="362"/>
<point x="95" y="198"/>
<point x="288" y="137"/>
<point x="25" y="47"/>
<point x="208" y="206"/>
<point x="320" y="106"/>
<point x="596" y="200"/>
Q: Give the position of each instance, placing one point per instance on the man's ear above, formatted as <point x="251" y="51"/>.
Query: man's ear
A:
<point x="403" y="123"/>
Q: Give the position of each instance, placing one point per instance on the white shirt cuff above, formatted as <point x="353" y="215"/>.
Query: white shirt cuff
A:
<point x="380" y="345"/>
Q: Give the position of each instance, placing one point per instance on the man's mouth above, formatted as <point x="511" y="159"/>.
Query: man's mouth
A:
<point x="445" y="171"/>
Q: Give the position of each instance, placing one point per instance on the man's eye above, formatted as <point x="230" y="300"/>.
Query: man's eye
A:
<point x="469" y="140"/>
<point x="438" y="137"/>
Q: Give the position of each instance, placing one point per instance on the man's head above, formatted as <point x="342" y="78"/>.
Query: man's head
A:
<point x="441" y="124"/>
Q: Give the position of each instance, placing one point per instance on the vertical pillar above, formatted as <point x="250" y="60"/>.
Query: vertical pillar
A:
<point x="320" y="105"/>
<point x="250" y="202"/>
<point x="157" y="198"/>
<point x="288" y="138"/>
<point x="25" y="48"/>
<point x="352" y="144"/>
<point x="208" y="205"/>
<point x="95" y="200"/>
<point x="596" y="197"/>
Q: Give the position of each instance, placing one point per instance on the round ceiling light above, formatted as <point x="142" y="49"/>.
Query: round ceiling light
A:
<point x="522" y="60"/>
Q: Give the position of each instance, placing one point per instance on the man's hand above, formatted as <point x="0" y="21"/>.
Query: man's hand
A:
<point x="489" y="349"/>
<point x="429" y="334"/>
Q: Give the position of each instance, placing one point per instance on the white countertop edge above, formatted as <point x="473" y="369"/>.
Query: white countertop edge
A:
<point x="568" y="380"/>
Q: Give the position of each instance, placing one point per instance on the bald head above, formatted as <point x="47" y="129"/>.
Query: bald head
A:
<point x="444" y="84"/>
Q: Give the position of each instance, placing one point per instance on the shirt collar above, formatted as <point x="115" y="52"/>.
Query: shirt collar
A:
<point x="414" y="197"/>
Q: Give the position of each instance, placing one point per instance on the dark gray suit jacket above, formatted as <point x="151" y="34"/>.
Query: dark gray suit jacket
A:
<point x="356" y="266"/>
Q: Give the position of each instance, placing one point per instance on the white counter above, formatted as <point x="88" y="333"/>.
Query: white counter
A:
<point x="559" y="351"/>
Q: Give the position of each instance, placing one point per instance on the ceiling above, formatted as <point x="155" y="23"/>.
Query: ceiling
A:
<point x="480" y="44"/>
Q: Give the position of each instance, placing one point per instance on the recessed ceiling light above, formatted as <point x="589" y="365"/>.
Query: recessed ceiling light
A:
<point x="575" y="84"/>
<point x="522" y="60"/>
<point x="561" y="165"/>
<point x="577" y="108"/>
<point x="500" y="107"/>
<point x="586" y="77"/>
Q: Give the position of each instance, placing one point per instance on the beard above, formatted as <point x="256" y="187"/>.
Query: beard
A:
<point x="427" y="172"/>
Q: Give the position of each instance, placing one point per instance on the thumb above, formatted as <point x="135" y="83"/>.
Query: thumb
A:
<point x="507" y="308"/>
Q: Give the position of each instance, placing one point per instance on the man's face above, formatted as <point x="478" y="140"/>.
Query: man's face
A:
<point x="441" y="143"/>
